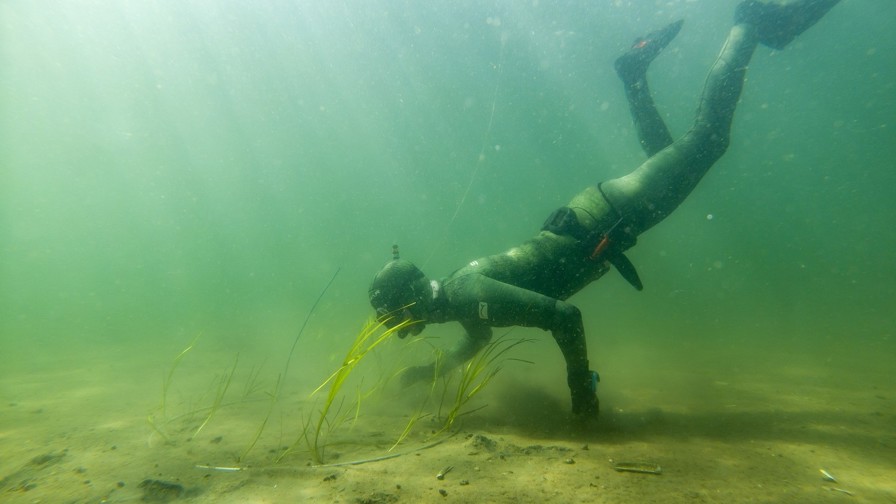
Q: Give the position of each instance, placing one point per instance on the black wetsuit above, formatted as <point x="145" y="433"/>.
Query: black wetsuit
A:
<point x="528" y="285"/>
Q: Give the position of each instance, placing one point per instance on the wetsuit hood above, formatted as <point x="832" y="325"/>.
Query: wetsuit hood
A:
<point x="400" y="286"/>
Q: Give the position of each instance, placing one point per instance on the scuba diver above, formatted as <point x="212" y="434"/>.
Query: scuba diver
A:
<point x="528" y="285"/>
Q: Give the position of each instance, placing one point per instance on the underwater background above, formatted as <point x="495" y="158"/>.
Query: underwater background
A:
<point x="198" y="171"/>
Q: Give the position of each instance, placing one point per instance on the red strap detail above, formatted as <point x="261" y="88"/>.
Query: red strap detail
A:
<point x="599" y="249"/>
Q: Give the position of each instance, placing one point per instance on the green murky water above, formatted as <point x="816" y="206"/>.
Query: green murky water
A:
<point x="174" y="169"/>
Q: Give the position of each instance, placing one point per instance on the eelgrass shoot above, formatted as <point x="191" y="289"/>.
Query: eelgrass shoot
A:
<point x="477" y="374"/>
<point x="166" y="384"/>
<point x="274" y="395"/>
<point x="223" y="386"/>
<point x="437" y="372"/>
<point x="372" y="334"/>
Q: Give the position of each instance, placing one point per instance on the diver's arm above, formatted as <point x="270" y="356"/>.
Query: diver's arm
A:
<point x="476" y="336"/>
<point x="499" y="304"/>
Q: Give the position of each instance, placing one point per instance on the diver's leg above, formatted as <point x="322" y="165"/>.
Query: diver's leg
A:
<point x="650" y="193"/>
<point x="653" y="190"/>
<point x="632" y="69"/>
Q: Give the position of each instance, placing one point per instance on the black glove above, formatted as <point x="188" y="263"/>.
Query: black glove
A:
<point x="583" y="389"/>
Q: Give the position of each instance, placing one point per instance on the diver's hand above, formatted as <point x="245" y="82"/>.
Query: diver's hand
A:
<point x="416" y="374"/>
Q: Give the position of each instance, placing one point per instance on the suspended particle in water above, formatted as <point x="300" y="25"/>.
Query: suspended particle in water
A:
<point x="709" y="216"/>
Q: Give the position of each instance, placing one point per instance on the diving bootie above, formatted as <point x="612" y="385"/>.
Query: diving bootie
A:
<point x="632" y="65"/>
<point x="778" y="23"/>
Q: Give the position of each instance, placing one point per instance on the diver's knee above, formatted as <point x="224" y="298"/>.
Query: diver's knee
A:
<point x="566" y="316"/>
<point x="705" y="145"/>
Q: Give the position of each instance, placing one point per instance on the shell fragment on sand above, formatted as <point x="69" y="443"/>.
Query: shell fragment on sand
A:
<point x="827" y="476"/>
<point x="638" y="467"/>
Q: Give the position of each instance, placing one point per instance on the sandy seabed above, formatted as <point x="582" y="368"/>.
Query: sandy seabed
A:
<point x="78" y="433"/>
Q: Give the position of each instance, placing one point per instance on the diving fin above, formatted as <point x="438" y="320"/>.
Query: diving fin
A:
<point x="777" y="24"/>
<point x="632" y="65"/>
